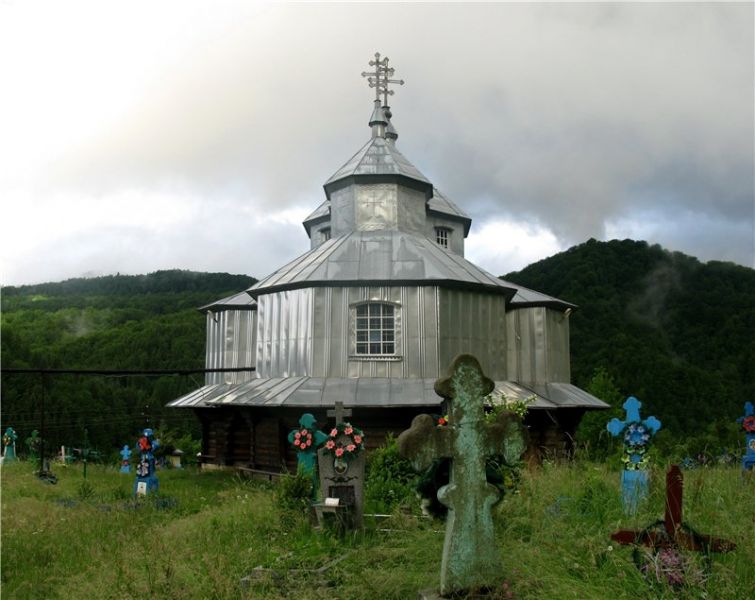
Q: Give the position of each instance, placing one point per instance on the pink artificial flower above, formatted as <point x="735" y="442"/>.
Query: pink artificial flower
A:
<point x="333" y="432"/>
<point x="296" y="442"/>
<point x="351" y="447"/>
<point x="330" y="445"/>
<point x="297" y="435"/>
<point x="304" y="432"/>
<point x="339" y="451"/>
<point x="348" y="430"/>
<point x="358" y="439"/>
<point x="309" y="442"/>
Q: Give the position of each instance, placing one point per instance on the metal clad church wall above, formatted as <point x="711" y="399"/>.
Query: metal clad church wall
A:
<point x="416" y="332"/>
<point x="538" y="345"/>
<point x="473" y="322"/>
<point x="230" y="343"/>
<point x="284" y="333"/>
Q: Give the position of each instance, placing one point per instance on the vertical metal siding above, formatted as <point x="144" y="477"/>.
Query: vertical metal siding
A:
<point x="230" y="344"/>
<point x="473" y="322"/>
<point x="284" y="333"/>
<point x="538" y="345"/>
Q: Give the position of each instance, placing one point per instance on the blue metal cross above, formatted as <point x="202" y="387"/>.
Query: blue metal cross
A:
<point x="632" y="408"/>
<point x="634" y="479"/>
<point x="748" y="424"/>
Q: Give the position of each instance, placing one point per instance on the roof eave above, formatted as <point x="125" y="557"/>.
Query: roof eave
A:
<point x="410" y="182"/>
<point x="444" y="283"/>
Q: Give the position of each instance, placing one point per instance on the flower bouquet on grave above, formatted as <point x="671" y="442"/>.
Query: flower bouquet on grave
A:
<point x="748" y="424"/>
<point x="345" y="441"/>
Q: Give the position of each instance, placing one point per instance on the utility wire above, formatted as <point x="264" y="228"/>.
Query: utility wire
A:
<point x="120" y="372"/>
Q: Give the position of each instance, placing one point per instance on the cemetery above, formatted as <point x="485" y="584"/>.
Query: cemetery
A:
<point x="380" y="374"/>
<point x="223" y="536"/>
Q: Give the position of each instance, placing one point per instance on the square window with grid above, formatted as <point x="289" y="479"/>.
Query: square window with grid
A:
<point x="375" y="329"/>
<point x="441" y="236"/>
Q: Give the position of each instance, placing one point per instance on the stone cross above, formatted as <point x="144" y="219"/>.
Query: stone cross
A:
<point x="125" y="455"/>
<point x="637" y="434"/>
<point x="470" y="555"/>
<point x="748" y="424"/>
<point x="146" y="480"/>
<point x="307" y="439"/>
<point x="339" y="412"/>
<point x="9" y="445"/>
<point x="672" y="532"/>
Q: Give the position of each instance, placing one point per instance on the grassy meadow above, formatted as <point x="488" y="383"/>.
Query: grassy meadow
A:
<point x="208" y="530"/>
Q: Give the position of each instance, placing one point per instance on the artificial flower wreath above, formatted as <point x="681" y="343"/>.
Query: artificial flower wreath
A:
<point x="303" y="439"/>
<point x="348" y="448"/>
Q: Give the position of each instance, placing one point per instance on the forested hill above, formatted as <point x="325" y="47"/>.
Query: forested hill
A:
<point x="677" y="333"/>
<point x="115" y="322"/>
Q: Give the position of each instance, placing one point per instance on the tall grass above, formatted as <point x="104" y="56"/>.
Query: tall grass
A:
<point x="211" y="529"/>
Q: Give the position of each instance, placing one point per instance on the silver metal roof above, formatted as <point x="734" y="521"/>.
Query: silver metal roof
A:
<point x="525" y="297"/>
<point x="378" y="157"/>
<point x="321" y="212"/>
<point x="240" y="301"/>
<point x="314" y="392"/>
<point x="381" y="257"/>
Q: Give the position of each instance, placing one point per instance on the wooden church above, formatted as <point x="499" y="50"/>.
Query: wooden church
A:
<point x="372" y="315"/>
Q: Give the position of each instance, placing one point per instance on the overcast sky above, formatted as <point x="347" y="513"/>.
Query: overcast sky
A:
<point x="138" y="136"/>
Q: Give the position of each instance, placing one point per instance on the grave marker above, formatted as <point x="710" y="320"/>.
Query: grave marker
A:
<point x="672" y="534"/>
<point x="306" y="440"/>
<point x="470" y="555"/>
<point x="9" y="445"/>
<point x="341" y="467"/>
<point x="33" y="445"/>
<point x="637" y="435"/>
<point x="146" y="480"/>
<point x="748" y="425"/>
<point x="125" y="456"/>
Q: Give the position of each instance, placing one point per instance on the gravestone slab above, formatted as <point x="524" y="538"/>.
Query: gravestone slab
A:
<point x="748" y="425"/>
<point x="637" y="436"/>
<point x="471" y="557"/>
<point x="9" y="445"/>
<point x="341" y="467"/>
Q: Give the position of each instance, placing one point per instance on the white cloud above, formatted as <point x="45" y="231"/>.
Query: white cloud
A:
<point x="500" y="246"/>
<point x="147" y="122"/>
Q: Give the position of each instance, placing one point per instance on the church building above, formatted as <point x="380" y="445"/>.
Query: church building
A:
<point x="372" y="315"/>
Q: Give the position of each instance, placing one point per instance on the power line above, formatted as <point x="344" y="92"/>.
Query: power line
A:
<point x="121" y="372"/>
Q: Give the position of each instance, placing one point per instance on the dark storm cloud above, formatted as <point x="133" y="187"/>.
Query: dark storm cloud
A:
<point x="581" y="119"/>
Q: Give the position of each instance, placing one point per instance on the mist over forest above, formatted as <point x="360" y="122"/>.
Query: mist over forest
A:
<point x="662" y="326"/>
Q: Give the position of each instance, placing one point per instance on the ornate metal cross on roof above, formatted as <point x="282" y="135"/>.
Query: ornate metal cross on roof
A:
<point x="381" y="77"/>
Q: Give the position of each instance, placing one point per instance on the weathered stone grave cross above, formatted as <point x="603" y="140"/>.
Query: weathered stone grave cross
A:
<point x="339" y="413"/>
<point x="470" y="555"/>
<point x="637" y="435"/>
<point x="672" y="532"/>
